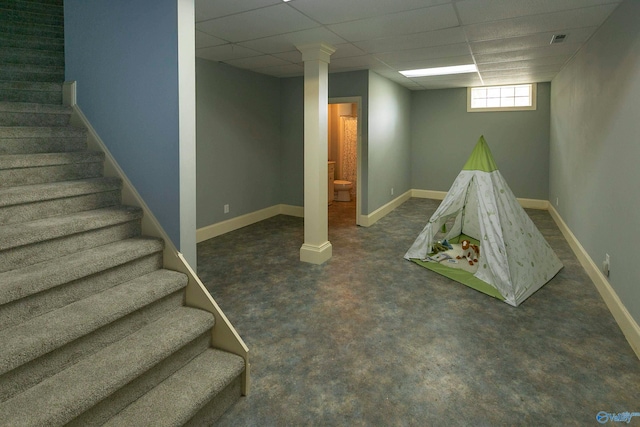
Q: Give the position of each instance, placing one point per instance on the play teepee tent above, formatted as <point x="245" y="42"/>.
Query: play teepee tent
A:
<point x="515" y="260"/>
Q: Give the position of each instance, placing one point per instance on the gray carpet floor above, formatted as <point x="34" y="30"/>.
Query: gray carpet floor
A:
<point x="370" y="339"/>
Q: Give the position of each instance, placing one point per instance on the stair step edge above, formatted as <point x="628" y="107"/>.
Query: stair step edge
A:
<point x="178" y="398"/>
<point x="22" y="194"/>
<point x="36" y="278"/>
<point x="21" y="161"/>
<point x="96" y="377"/>
<point x="38" y="336"/>
<point x="12" y="132"/>
<point x="32" y="107"/>
<point x="16" y="235"/>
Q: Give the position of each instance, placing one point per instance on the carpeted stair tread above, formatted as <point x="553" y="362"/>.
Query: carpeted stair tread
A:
<point x="32" y="107"/>
<point x="16" y="55"/>
<point x="32" y="42"/>
<point x="31" y="114"/>
<point x="178" y="398"/>
<point x="29" y="73"/>
<point x="29" y="91"/>
<point x="26" y="281"/>
<point x="41" y="30"/>
<point x="33" y="6"/>
<point x="39" y="192"/>
<point x="96" y="377"/>
<point x="20" y="161"/>
<point x="31" y="86"/>
<point x="40" y="335"/>
<point x="13" y="132"/>
<point x="14" y="13"/>
<point x="15" y="235"/>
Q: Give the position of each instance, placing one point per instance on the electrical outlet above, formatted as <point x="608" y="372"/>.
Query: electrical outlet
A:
<point x="226" y="208"/>
<point x="392" y="191"/>
<point x="606" y="265"/>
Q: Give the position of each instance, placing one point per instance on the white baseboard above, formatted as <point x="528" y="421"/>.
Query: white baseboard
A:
<point x="428" y="194"/>
<point x="220" y="228"/>
<point x="378" y="214"/>
<point x="627" y="324"/>
<point x="440" y="195"/>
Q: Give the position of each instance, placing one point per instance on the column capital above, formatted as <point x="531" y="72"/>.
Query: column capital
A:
<point x="316" y="52"/>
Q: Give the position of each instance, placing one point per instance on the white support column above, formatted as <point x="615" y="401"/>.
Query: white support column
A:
<point x="316" y="248"/>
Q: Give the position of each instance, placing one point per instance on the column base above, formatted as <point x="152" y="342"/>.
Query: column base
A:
<point x="316" y="254"/>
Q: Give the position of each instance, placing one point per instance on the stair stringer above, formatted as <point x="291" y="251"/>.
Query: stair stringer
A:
<point x="223" y="334"/>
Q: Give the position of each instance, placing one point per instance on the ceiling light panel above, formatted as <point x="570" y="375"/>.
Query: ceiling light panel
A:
<point x="440" y="71"/>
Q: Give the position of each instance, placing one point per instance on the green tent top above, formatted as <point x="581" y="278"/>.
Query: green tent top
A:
<point x="481" y="158"/>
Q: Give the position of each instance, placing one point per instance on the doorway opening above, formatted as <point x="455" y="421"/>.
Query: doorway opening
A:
<point x="344" y="161"/>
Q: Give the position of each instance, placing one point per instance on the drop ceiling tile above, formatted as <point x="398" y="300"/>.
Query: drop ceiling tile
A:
<point x="354" y="62"/>
<point x="414" y="21"/>
<point x="225" y="52"/>
<point x="560" y="21"/>
<point x="344" y="50"/>
<point x="289" y="70"/>
<point x="209" y="9"/>
<point x="288" y="41"/>
<point x="577" y="35"/>
<point x="435" y="52"/>
<point x="518" y="79"/>
<point x="413" y="41"/>
<point x="475" y="11"/>
<point x="293" y="56"/>
<point x="539" y="69"/>
<point x="538" y="62"/>
<point x="520" y="55"/>
<point x="205" y="40"/>
<point x="335" y="11"/>
<point x="254" y="24"/>
<point x="254" y="62"/>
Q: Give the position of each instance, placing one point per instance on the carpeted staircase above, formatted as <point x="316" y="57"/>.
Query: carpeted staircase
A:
<point x="93" y="330"/>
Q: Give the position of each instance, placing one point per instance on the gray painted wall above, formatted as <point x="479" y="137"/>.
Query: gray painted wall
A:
<point x="595" y="147"/>
<point x="124" y="56"/>
<point x="389" y="148"/>
<point x="238" y="141"/>
<point x="349" y="84"/>
<point x="292" y="132"/>
<point x="385" y="141"/>
<point x="443" y="135"/>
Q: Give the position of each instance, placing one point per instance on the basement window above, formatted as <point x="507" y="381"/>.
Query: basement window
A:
<point x="501" y="98"/>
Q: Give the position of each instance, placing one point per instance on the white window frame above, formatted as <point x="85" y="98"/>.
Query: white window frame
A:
<point x="533" y="106"/>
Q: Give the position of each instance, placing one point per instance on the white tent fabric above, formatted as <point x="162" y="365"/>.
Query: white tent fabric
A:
<point x="514" y="256"/>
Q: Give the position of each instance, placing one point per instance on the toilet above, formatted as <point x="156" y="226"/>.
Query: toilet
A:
<point x="343" y="190"/>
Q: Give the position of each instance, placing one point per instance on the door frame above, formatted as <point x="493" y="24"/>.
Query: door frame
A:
<point x="358" y="101"/>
